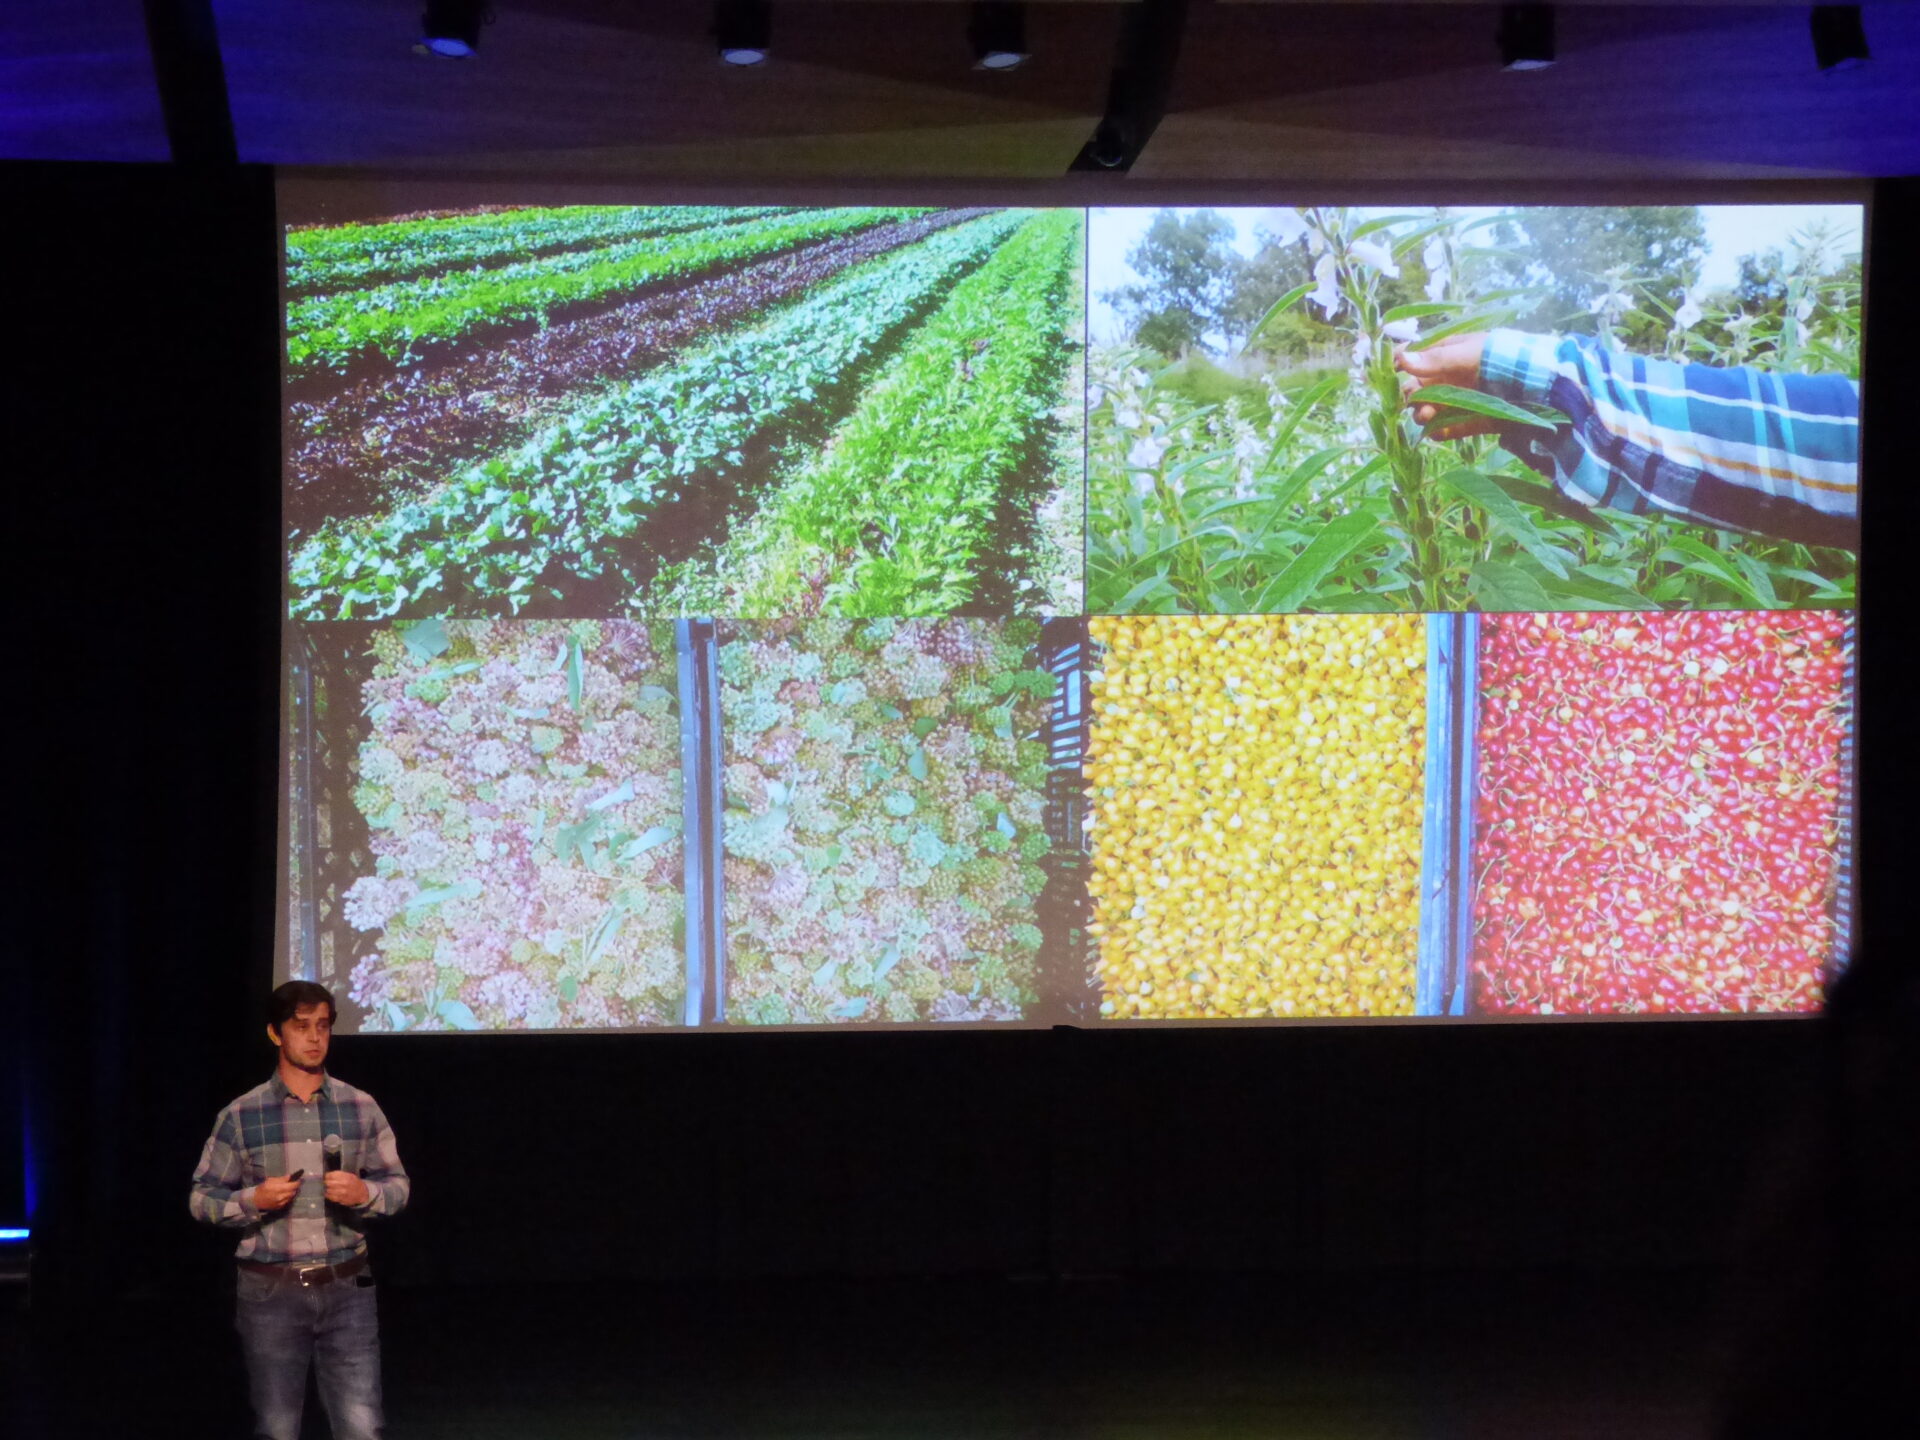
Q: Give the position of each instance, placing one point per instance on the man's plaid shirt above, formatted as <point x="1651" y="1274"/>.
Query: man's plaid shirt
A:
<point x="1763" y="452"/>
<point x="268" y="1131"/>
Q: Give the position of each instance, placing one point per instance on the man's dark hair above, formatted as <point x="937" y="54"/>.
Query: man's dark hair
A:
<point x="290" y="997"/>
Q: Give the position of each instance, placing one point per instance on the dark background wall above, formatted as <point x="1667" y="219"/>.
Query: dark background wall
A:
<point x="143" y="526"/>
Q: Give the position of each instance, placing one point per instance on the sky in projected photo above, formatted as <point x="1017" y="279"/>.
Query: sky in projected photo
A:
<point x="763" y="616"/>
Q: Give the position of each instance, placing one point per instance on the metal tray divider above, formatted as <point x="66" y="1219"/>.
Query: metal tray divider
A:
<point x="1437" y="862"/>
<point x="1061" y="907"/>
<point x="704" y="937"/>
<point x="1466" y="761"/>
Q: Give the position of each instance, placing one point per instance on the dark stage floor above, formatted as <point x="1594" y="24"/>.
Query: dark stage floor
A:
<point x="1432" y="1358"/>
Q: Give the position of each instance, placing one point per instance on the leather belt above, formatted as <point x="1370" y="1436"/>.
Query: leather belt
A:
<point x="308" y="1274"/>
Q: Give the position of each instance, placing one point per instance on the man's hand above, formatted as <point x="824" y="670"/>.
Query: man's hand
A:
<point x="1453" y="361"/>
<point x="276" y="1192"/>
<point x="346" y="1188"/>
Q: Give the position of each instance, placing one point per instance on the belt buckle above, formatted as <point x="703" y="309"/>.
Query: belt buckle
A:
<point x="303" y="1272"/>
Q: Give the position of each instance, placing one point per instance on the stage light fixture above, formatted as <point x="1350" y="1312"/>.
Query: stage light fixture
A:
<point x="1839" y="39"/>
<point x="1526" y="37"/>
<point x="450" y="29"/>
<point x="743" y="31"/>
<point x="997" y="32"/>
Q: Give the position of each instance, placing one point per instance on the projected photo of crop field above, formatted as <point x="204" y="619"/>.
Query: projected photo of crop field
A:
<point x="486" y="824"/>
<point x="1659" y="811"/>
<point x="885" y="792"/>
<point x="1421" y="409"/>
<point x="1257" y="788"/>
<point x="722" y="410"/>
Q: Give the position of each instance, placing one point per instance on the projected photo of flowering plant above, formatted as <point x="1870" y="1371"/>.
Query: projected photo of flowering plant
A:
<point x="1325" y="408"/>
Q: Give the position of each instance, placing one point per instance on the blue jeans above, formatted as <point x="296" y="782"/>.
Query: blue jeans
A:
<point x="285" y="1328"/>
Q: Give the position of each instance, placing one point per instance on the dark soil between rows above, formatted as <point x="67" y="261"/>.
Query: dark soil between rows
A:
<point x="381" y="439"/>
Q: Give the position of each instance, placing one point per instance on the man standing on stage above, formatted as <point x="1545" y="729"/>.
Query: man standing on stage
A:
<point x="298" y="1166"/>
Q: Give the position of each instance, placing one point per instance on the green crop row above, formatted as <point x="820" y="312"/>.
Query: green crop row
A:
<point x="330" y="331"/>
<point x="563" y="505"/>
<point x="896" y="506"/>
<point x="352" y="256"/>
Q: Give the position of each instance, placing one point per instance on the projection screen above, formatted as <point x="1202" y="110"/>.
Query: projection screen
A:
<point x="725" y="616"/>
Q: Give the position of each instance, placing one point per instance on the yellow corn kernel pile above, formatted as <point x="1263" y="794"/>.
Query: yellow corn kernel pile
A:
<point x="1256" y="787"/>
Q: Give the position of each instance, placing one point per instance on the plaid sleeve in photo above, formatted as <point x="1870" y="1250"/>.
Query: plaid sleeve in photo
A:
<point x="1757" y="451"/>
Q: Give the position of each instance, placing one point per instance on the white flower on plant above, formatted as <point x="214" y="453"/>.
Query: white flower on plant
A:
<point x="1362" y="351"/>
<point x="1435" y="255"/>
<point x="1401" y="331"/>
<point x="1378" y="256"/>
<point x="1147" y="452"/>
<point x="1126" y="418"/>
<point x="1805" y="308"/>
<point x="1689" y="314"/>
<point x="1326" y="294"/>
<point x="1612" y="304"/>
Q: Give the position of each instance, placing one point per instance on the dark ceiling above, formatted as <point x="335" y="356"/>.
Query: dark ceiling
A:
<point x="1258" y="92"/>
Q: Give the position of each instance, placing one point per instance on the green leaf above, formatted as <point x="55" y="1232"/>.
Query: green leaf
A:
<point x="614" y="797"/>
<point x="1465" y="325"/>
<point x="570" y="841"/>
<point x="823" y="977"/>
<point x="1279" y="307"/>
<point x="425" y="639"/>
<point x="1548" y="497"/>
<point x="1479" y="490"/>
<point x="1591" y="590"/>
<point x="1458" y="397"/>
<point x="457" y="1014"/>
<point x="1758" y="578"/>
<point x="1155" y="585"/>
<point x="427" y="899"/>
<point x="889" y="958"/>
<point x="850" y="1009"/>
<point x="650" y="840"/>
<point x="1711" y="563"/>
<point x="1291" y="588"/>
<point x="1381" y="222"/>
<point x="1366" y="603"/>
<point x="576" y="676"/>
<point x="917" y="764"/>
<point x="1502" y="587"/>
<point x="569" y="988"/>
<point x="1420" y="310"/>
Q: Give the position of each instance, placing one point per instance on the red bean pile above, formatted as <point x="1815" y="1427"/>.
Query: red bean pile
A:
<point x="1656" y="811"/>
